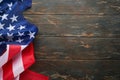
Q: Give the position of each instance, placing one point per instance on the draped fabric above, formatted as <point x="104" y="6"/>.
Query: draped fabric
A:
<point x="16" y="36"/>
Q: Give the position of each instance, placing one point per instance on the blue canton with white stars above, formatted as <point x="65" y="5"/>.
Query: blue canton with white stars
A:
<point x="14" y="28"/>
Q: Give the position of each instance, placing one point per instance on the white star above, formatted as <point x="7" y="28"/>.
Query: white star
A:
<point x="0" y="34"/>
<point x="1" y="1"/>
<point x="4" y="17"/>
<point x="10" y="36"/>
<point x="14" y="18"/>
<point x="19" y="40"/>
<point x="10" y="5"/>
<point x="21" y="27"/>
<point x="31" y="34"/>
<point x="10" y="28"/>
<point x="20" y="34"/>
<point x="1" y="26"/>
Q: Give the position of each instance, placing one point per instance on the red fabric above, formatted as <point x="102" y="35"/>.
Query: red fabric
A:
<point x="13" y="49"/>
<point x="29" y="54"/>
<point x="29" y="75"/>
<point x="7" y="71"/>
<point x="13" y="69"/>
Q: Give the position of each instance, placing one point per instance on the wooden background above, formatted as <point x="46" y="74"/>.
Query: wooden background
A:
<point x="77" y="39"/>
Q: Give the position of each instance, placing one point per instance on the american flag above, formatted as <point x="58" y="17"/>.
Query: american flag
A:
<point x="16" y="36"/>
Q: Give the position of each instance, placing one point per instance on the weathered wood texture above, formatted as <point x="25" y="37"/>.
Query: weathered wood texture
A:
<point x="100" y="7"/>
<point x="77" y="39"/>
<point x="76" y="48"/>
<point x="77" y="25"/>
<point x="79" y="69"/>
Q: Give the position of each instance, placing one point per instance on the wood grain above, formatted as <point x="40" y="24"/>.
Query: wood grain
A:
<point x="76" y="48"/>
<point x="99" y="7"/>
<point x="77" y="25"/>
<point x="79" y="70"/>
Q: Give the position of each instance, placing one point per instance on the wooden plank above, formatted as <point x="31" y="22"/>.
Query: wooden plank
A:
<point x="99" y="7"/>
<point x="77" y="25"/>
<point x="79" y="70"/>
<point x="76" y="48"/>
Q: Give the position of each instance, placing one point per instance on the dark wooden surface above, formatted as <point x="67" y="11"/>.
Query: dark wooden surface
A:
<point x="77" y="39"/>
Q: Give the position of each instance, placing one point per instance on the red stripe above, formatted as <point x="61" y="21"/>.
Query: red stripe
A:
<point x="13" y="50"/>
<point x="28" y="56"/>
<point x="28" y="60"/>
<point x="7" y="71"/>
<point x="29" y="75"/>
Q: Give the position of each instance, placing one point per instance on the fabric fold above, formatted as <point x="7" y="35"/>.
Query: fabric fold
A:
<point x="16" y="37"/>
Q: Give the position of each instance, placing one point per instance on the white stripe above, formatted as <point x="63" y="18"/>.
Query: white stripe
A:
<point x="18" y="65"/>
<point x="4" y="57"/>
<point x="1" y="74"/>
<point x="17" y="78"/>
<point x="23" y="47"/>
